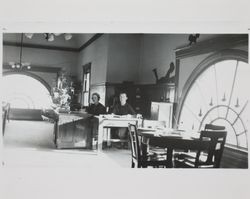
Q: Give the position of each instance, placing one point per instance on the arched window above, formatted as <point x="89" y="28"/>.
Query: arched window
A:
<point x="23" y="91"/>
<point x="217" y="93"/>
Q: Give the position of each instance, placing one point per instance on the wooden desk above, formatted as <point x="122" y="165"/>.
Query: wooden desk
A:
<point x="74" y="130"/>
<point x="109" y="121"/>
<point x="183" y="141"/>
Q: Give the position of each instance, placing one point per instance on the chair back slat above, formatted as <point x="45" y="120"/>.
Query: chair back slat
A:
<point x="135" y="147"/>
<point x="214" y="127"/>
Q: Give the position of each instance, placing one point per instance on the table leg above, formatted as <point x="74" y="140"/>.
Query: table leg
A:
<point x="100" y="137"/>
<point x="169" y="157"/>
<point x="108" y="136"/>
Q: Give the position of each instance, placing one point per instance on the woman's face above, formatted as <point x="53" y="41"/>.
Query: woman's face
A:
<point x="123" y="98"/>
<point x="95" y="99"/>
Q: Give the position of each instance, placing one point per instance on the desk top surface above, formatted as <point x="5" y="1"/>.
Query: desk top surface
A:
<point x="117" y="117"/>
<point x="167" y="132"/>
<point x="71" y="117"/>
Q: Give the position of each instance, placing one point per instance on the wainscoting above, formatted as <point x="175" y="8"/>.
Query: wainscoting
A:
<point x="233" y="158"/>
<point x="25" y="114"/>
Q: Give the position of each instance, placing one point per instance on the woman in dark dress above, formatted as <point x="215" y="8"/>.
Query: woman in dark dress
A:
<point x="96" y="108"/>
<point x="123" y="108"/>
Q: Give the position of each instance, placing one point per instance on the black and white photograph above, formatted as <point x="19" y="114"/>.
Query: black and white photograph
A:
<point x="124" y="99"/>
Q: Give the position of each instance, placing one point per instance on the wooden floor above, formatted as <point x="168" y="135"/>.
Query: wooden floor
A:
<point x="33" y="168"/>
<point x="30" y="143"/>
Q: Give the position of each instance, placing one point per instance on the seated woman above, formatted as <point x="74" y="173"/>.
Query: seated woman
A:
<point x="123" y="108"/>
<point x="96" y="108"/>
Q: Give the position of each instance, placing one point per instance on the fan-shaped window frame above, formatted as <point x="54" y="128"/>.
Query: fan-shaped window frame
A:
<point x="230" y="54"/>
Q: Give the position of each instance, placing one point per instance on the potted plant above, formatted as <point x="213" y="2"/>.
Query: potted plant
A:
<point x="62" y="93"/>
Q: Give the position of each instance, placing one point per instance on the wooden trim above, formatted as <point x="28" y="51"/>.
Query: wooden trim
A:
<point x="122" y="84"/>
<point x="211" y="45"/>
<point x="90" y="41"/>
<point x="86" y="68"/>
<point x="177" y="74"/>
<point x="234" y="158"/>
<point x="38" y="46"/>
<point x="99" y="84"/>
<point x="45" y="69"/>
<point x="46" y="47"/>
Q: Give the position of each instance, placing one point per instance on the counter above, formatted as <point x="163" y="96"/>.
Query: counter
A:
<point x="74" y="130"/>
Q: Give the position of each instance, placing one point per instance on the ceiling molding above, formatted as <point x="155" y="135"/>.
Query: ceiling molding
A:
<point x="46" y="47"/>
<point x="211" y="45"/>
<point x="38" y="46"/>
<point x="90" y="41"/>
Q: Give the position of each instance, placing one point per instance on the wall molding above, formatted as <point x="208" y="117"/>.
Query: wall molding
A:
<point x="132" y="84"/>
<point x="39" y="46"/>
<point x="59" y="48"/>
<point x="90" y="41"/>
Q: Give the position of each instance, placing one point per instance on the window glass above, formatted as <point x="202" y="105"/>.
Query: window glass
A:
<point x="218" y="96"/>
<point x="23" y="91"/>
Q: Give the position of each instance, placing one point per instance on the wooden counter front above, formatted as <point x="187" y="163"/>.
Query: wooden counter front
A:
<point x="74" y="130"/>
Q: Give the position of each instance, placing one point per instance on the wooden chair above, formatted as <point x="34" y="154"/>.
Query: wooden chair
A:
<point x="138" y="159"/>
<point x="192" y="155"/>
<point x="155" y="124"/>
<point x="210" y="158"/>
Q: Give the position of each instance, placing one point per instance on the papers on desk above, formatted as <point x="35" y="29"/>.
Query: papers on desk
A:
<point x="169" y="133"/>
<point x="112" y="116"/>
<point x="194" y="134"/>
<point x="162" y="132"/>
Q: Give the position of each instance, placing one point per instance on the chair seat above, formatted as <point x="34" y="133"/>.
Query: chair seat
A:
<point x="190" y="163"/>
<point x="158" y="151"/>
<point x="155" y="161"/>
<point x="204" y="158"/>
<point x="187" y="160"/>
<point x="191" y="156"/>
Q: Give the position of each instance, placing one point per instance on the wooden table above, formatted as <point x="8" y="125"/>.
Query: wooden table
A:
<point x="109" y="121"/>
<point x="171" y="141"/>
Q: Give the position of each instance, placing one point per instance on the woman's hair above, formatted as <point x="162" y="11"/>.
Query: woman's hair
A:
<point x="123" y="93"/>
<point x="96" y="94"/>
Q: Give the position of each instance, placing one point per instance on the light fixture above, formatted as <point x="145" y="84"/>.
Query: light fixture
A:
<point x="29" y="35"/>
<point x="20" y="65"/>
<point x="51" y="36"/>
<point x="67" y="36"/>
